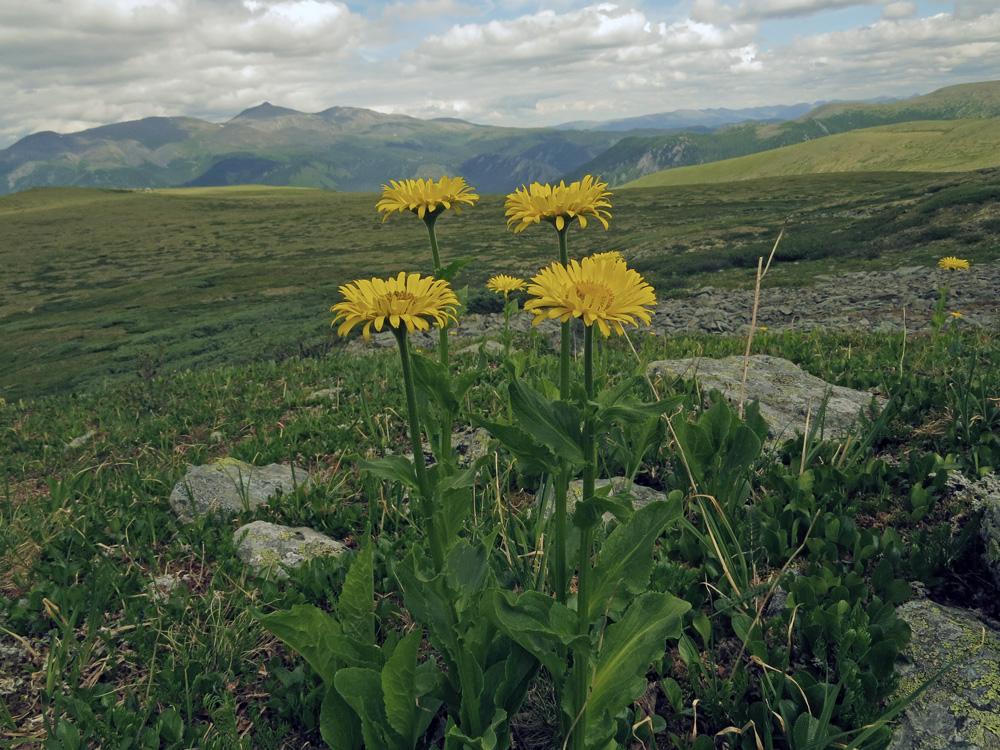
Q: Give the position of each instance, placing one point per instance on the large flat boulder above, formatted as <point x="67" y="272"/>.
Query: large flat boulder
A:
<point x="227" y="487"/>
<point x="961" y="710"/>
<point x="787" y="393"/>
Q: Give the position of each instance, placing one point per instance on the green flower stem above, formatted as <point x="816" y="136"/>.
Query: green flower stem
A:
<point x="562" y="473"/>
<point x="560" y="490"/>
<point x="581" y="686"/>
<point x="564" y="353"/>
<point x="508" y="308"/>
<point x="423" y="482"/>
<point x="447" y="420"/>
<point x="430" y="219"/>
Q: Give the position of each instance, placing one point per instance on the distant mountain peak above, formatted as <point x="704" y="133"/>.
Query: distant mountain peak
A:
<point x="264" y="111"/>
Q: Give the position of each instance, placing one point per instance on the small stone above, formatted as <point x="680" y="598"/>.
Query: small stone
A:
<point x="79" y="442"/>
<point x="331" y="394"/>
<point x="160" y="588"/>
<point x="269" y="549"/>
<point x="228" y="486"/>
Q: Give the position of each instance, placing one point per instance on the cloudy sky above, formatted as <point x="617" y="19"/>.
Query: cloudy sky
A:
<point x="66" y="65"/>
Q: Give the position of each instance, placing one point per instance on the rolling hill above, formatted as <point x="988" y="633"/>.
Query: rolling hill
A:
<point x="635" y="157"/>
<point x="925" y="146"/>
<point x="341" y="148"/>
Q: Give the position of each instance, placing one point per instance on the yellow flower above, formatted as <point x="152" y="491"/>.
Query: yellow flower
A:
<point x="559" y="204"/>
<point x="612" y="255"/>
<point x="956" y="315"/>
<point x="604" y="291"/>
<point x="505" y="284"/>
<point x="952" y="263"/>
<point x="412" y="301"/>
<point x="425" y="197"/>
<point x="762" y="329"/>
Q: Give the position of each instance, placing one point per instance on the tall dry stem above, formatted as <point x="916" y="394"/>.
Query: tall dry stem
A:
<point x="753" y="318"/>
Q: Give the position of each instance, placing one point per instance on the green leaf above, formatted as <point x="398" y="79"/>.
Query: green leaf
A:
<point x="532" y="457"/>
<point x="716" y="421"/>
<point x="356" y="605"/>
<point x="428" y="602"/>
<point x="466" y="568"/>
<point x="450" y="271"/>
<point x="399" y="687"/>
<point x="393" y="468"/>
<point x="694" y="443"/>
<point x="433" y="379"/>
<point x="555" y="424"/>
<point x="537" y="623"/>
<point x="362" y="691"/>
<point x="630" y="646"/>
<point x="627" y="555"/>
<point x="741" y="453"/>
<point x="753" y="420"/>
<point x="317" y="638"/>
<point x="339" y="726"/>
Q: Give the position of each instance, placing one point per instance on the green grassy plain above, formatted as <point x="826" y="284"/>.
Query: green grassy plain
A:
<point x="928" y="146"/>
<point x="101" y="284"/>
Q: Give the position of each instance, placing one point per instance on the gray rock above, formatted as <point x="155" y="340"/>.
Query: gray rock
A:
<point x="227" y="487"/>
<point x="961" y="710"/>
<point x="79" y="442"/>
<point x="786" y="393"/>
<point x="983" y="495"/>
<point x="325" y="394"/>
<point x="492" y="347"/>
<point x="989" y="532"/>
<point x="161" y="588"/>
<point x="269" y="548"/>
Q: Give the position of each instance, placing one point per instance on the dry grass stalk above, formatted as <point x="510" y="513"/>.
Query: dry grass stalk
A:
<point x="761" y="272"/>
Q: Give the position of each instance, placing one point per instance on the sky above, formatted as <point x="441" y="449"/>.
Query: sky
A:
<point x="68" y="65"/>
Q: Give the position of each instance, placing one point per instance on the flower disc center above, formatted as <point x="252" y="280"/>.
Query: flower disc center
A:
<point x="595" y="295"/>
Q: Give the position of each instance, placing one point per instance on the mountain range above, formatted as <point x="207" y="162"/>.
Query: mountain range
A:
<point x="352" y="149"/>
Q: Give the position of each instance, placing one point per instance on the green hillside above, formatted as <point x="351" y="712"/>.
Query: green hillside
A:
<point x="633" y="158"/>
<point x="100" y="285"/>
<point x="927" y="146"/>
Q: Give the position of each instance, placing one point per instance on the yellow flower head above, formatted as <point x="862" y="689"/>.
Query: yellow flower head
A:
<point x="503" y="284"/>
<point x="956" y="315"/>
<point x="425" y="197"/>
<point x="413" y="301"/>
<point x="953" y="264"/>
<point x="605" y="291"/>
<point x="612" y="255"/>
<point x="559" y="204"/>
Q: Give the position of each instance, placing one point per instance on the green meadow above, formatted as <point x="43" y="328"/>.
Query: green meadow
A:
<point x="926" y="146"/>
<point x="144" y="332"/>
<point x="101" y="284"/>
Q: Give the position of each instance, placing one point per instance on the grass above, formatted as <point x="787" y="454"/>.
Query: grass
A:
<point x="84" y="531"/>
<point x="102" y="285"/>
<point x="929" y="146"/>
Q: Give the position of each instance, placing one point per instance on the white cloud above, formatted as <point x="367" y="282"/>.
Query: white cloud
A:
<point x="69" y="64"/>
<point x="761" y="10"/>
<point x="425" y="9"/>
<point x="899" y="10"/>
